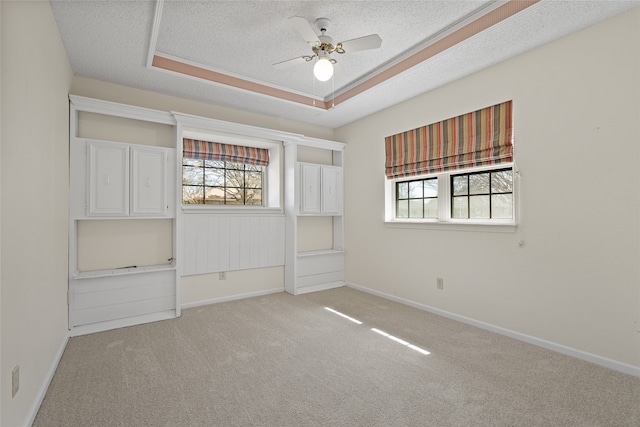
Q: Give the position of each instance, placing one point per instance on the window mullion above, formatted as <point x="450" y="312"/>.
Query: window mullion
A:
<point x="204" y="181"/>
<point x="444" y="197"/>
<point x="490" y="194"/>
<point x="468" y="196"/>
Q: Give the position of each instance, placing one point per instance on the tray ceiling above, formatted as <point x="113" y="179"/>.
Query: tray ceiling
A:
<point x="221" y="52"/>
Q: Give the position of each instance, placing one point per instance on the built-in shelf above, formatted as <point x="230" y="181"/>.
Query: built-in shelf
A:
<point x="92" y="274"/>
<point x="314" y="185"/>
<point x="135" y="179"/>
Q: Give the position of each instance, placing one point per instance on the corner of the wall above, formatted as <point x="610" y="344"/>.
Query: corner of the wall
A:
<point x="35" y="407"/>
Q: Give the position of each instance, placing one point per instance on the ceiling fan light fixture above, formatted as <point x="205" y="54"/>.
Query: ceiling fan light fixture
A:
<point x="323" y="69"/>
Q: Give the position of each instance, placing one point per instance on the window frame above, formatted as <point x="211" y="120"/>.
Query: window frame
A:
<point x="423" y="198"/>
<point x="444" y="221"/>
<point x="272" y="177"/>
<point x="469" y="194"/>
<point x="225" y="187"/>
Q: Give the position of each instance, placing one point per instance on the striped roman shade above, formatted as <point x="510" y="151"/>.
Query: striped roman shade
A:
<point x="483" y="137"/>
<point x="206" y="150"/>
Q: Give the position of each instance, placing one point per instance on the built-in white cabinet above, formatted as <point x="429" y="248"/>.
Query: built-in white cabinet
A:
<point x="125" y="180"/>
<point x="314" y="190"/>
<point x="331" y="190"/>
<point x="149" y="181"/>
<point x="310" y="188"/>
<point x="116" y="181"/>
<point x="108" y="180"/>
<point x="321" y="189"/>
<point x="116" y="186"/>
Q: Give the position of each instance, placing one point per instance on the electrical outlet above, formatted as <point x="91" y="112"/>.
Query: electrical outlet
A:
<point x="15" y="380"/>
<point x="222" y="275"/>
<point x="440" y="283"/>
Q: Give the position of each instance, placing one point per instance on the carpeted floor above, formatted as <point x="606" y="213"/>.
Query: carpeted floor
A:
<point x="280" y="360"/>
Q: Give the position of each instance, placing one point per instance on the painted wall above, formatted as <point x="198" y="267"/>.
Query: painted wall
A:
<point x="105" y="244"/>
<point x="576" y="280"/>
<point x="207" y="288"/>
<point x="36" y="78"/>
<point x="111" y="92"/>
<point x="111" y="128"/>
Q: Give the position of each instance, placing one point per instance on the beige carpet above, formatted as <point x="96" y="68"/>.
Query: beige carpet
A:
<point x="280" y="360"/>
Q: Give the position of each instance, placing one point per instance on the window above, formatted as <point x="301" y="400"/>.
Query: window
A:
<point x="213" y="182"/>
<point x="417" y="198"/>
<point x="482" y="195"/>
<point x="455" y="171"/>
<point x="473" y="196"/>
<point x="234" y="174"/>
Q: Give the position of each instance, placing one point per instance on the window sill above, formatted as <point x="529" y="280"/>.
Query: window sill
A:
<point x="487" y="227"/>
<point x="231" y="210"/>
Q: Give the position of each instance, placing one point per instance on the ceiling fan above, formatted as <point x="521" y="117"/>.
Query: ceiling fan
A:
<point x="322" y="46"/>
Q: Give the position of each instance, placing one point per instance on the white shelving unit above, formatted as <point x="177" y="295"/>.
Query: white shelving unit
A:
<point x="314" y="190"/>
<point x="113" y="181"/>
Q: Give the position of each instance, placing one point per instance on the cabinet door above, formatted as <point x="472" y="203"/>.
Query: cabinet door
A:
<point x="310" y="189"/>
<point x="108" y="192"/>
<point x="149" y="181"/>
<point x="331" y="194"/>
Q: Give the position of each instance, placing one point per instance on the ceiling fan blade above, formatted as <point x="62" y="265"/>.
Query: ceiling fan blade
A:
<point x="290" y="62"/>
<point x="305" y="29"/>
<point x="372" y="41"/>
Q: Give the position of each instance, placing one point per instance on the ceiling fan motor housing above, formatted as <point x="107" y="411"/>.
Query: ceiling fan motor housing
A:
<point x="322" y="24"/>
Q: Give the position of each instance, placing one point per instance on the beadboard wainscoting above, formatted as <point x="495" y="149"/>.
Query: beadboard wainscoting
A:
<point x="214" y="242"/>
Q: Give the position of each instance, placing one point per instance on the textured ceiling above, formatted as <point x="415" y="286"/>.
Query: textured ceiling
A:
<point x="221" y="52"/>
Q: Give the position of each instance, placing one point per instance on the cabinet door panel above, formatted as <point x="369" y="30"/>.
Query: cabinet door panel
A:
<point x="310" y="189"/>
<point x="149" y="189"/>
<point x="331" y="185"/>
<point x="108" y="179"/>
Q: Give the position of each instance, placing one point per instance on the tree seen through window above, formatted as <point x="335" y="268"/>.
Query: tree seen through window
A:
<point x="213" y="182"/>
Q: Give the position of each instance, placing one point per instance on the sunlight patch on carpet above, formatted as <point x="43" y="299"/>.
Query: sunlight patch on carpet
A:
<point x="356" y="321"/>
<point x="401" y="341"/>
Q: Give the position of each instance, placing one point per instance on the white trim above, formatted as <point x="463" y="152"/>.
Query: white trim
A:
<point x="322" y="143"/>
<point x="231" y="210"/>
<point x="155" y="30"/>
<point x="559" y="348"/>
<point x="91" y="274"/>
<point x="444" y="220"/>
<point x="35" y="407"/>
<point x="189" y="121"/>
<point x="90" y="105"/>
<point x="232" y="297"/>
<point x="315" y="288"/>
<point x="453" y="226"/>
<point x="122" y="323"/>
<point x="206" y="123"/>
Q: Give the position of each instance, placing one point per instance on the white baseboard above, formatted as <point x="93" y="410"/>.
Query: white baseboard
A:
<point x="122" y="323"/>
<point x="232" y="298"/>
<point x="578" y="354"/>
<point x="35" y="407"/>
<point x="320" y="287"/>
